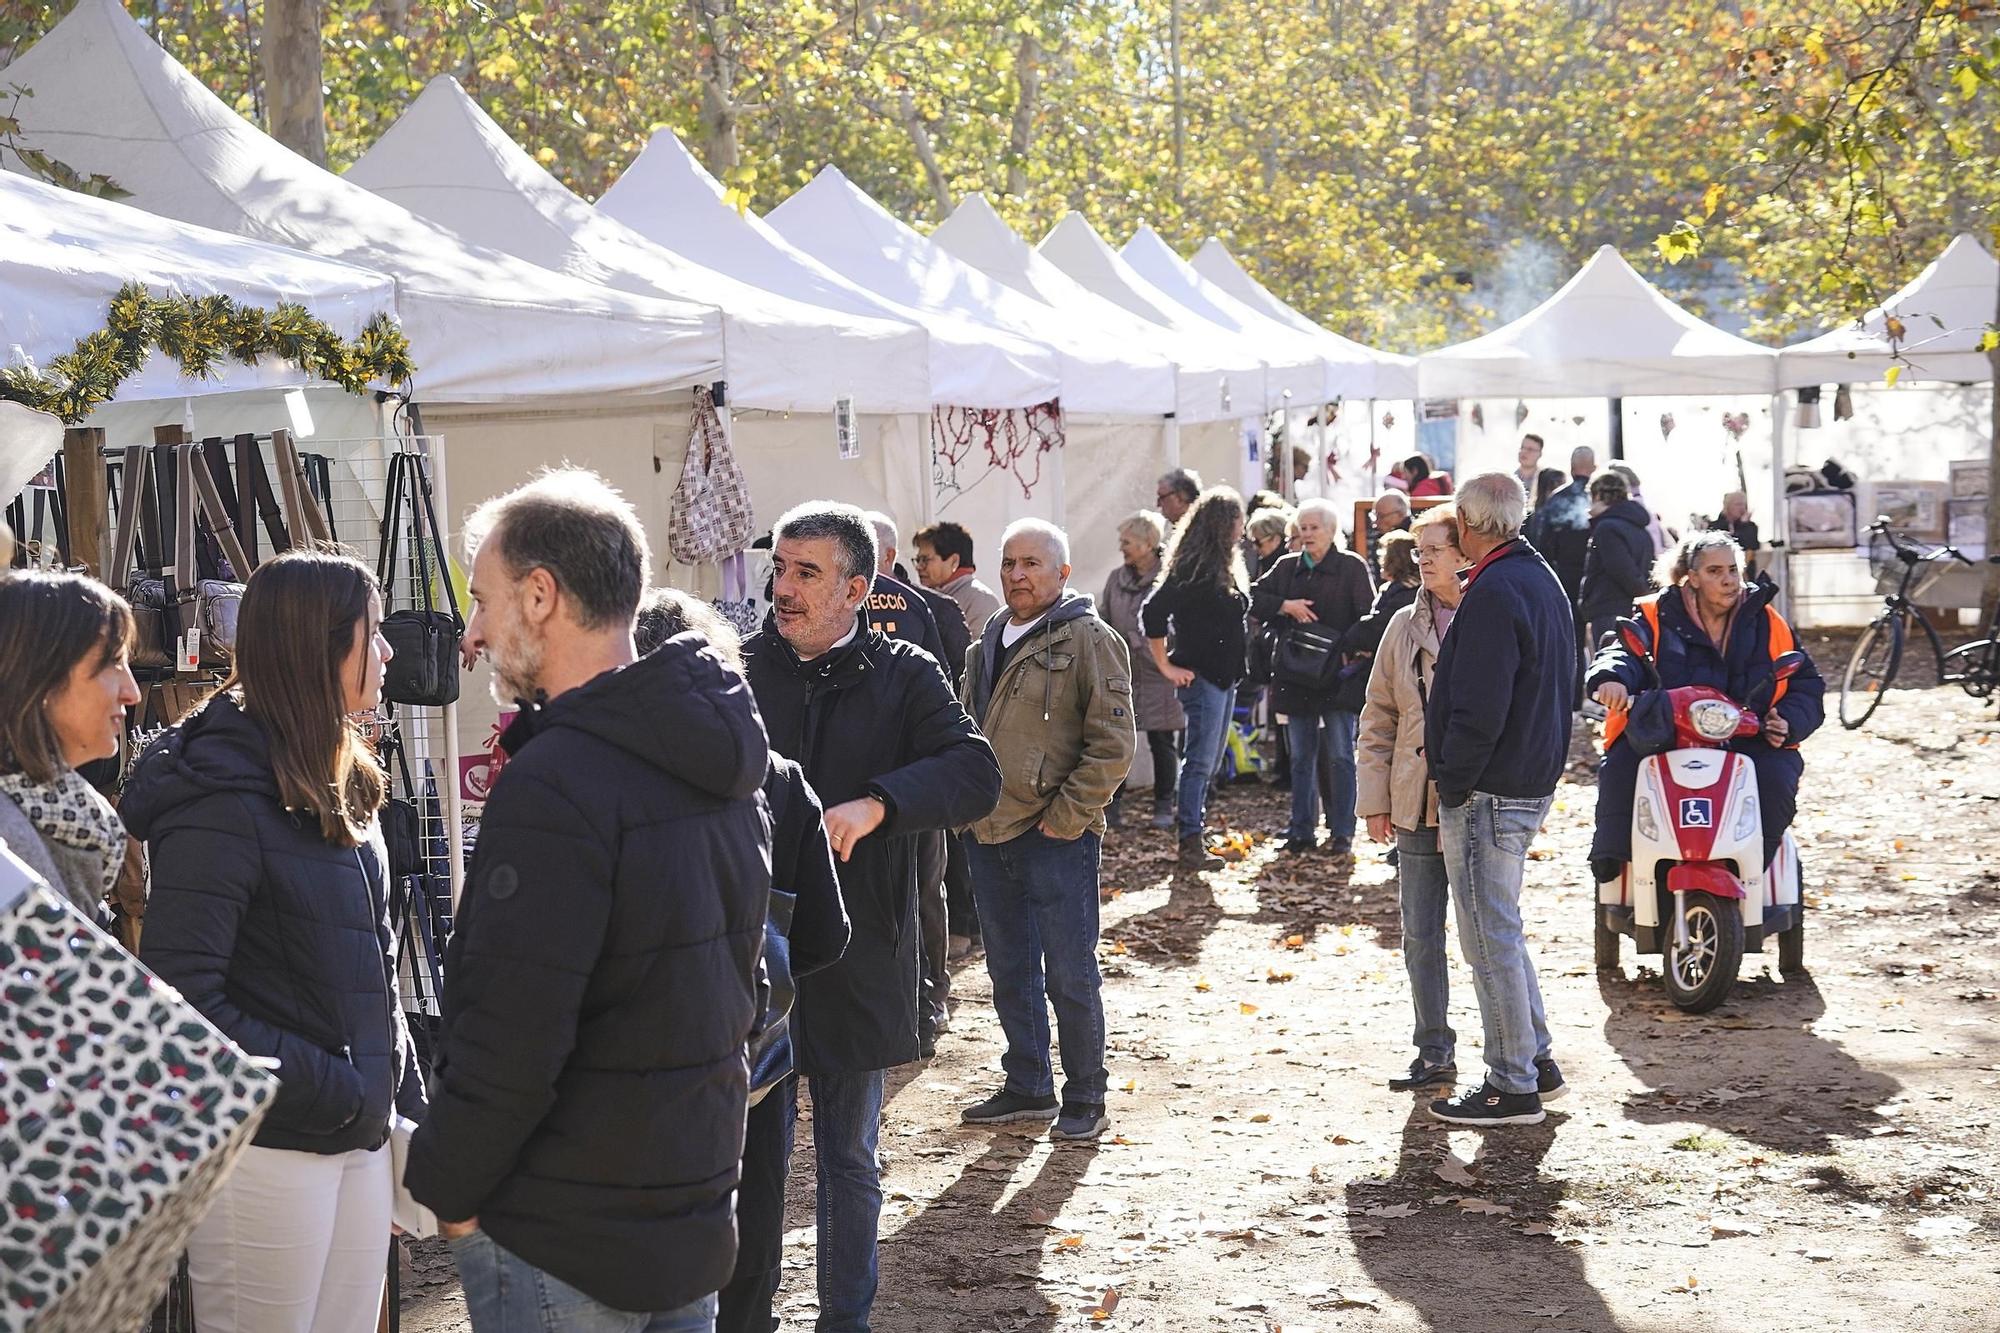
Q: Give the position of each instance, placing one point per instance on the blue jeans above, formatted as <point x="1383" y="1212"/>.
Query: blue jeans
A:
<point x="1208" y="707"/>
<point x="1425" y="891"/>
<point x="1485" y="844"/>
<point x="1307" y="732"/>
<point x="504" y="1293"/>
<point x="847" y="1123"/>
<point x="1037" y="898"/>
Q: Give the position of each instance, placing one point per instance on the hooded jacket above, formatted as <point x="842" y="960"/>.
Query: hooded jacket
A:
<point x="1059" y="717"/>
<point x="601" y="982"/>
<point x="1617" y="568"/>
<point x="278" y="936"/>
<point x="872" y="717"/>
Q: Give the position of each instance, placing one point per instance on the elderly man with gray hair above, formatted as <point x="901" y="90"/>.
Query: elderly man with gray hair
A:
<point x="1496" y="736"/>
<point x="1051" y="686"/>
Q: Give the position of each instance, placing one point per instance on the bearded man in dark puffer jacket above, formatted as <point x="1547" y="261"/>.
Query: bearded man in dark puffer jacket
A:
<point x="583" y="1147"/>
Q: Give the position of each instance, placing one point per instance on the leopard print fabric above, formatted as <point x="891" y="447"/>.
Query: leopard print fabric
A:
<point x="122" y="1111"/>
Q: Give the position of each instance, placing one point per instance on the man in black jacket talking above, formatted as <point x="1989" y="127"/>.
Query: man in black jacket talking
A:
<point x="886" y="745"/>
<point x="582" y="1147"/>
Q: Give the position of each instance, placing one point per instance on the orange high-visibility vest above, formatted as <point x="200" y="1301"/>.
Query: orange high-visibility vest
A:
<point x="1781" y="641"/>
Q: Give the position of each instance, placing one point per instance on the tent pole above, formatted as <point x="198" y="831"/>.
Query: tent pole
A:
<point x="1618" y="430"/>
<point x="1173" y="441"/>
<point x="1781" y="547"/>
<point x="1374" y="474"/>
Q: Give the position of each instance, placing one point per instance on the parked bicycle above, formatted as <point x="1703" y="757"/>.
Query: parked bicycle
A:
<point x="1878" y="654"/>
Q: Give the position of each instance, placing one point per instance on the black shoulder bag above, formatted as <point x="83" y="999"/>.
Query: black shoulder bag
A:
<point x="424" y="671"/>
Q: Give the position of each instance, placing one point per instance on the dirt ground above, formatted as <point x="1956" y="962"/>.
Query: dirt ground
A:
<point x="1821" y="1151"/>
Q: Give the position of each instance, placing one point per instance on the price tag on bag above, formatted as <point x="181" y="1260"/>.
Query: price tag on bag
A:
<point x="844" y="432"/>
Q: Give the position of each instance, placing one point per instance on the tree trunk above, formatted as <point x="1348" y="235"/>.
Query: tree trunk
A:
<point x="1027" y="102"/>
<point x="920" y="139"/>
<point x="294" y="98"/>
<point x="1180" y="107"/>
<point x="720" y="149"/>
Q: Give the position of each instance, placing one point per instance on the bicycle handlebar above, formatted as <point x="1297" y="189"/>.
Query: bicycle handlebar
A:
<point x="1905" y="547"/>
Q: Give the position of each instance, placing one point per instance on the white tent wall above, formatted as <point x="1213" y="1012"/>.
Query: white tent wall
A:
<point x="489" y="450"/>
<point x="984" y="499"/>
<point x="1109" y="473"/>
<point x="1214" y="450"/>
<point x="790" y="458"/>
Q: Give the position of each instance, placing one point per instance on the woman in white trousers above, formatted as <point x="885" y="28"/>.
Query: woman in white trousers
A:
<point x="269" y="912"/>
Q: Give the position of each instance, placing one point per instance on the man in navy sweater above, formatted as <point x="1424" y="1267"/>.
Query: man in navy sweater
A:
<point x="1496" y="735"/>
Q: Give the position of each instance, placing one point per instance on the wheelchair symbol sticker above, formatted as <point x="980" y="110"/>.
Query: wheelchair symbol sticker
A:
<point x="1696" y="812"/>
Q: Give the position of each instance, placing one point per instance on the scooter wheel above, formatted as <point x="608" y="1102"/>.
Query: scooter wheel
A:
<point x="1700" y="977"/>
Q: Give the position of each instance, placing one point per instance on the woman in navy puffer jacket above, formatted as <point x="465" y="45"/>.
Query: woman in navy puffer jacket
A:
<point x="269" y="912"/>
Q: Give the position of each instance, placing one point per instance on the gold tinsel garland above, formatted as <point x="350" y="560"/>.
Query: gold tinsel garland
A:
<point x="200" y="332"/>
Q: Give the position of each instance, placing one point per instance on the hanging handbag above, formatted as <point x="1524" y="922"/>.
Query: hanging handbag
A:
<point x="125" y="1111"/>
<point x="424" y="671"/>
<point x="1308" y="658"/>
<point x="1262" y="652"/>
<point x="155" y="626"/>
<point x="712" y="518"/>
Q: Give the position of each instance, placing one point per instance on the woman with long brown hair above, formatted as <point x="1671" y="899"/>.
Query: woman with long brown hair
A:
<point x="65" y="648"/>
<point x="269" y="912"/>
<point x="1201" y="598"/>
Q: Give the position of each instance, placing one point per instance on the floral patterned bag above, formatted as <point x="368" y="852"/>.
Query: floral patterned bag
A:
<point x="122" y="1111"/>
<point x="712" y="518"/>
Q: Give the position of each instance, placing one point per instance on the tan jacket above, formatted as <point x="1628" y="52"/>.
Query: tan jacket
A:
<point x="1391" y="776"/>
<point x="1059" y="718"/>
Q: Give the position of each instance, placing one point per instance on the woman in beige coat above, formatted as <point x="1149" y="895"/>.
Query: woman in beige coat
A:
<point x="1394" y="793"/>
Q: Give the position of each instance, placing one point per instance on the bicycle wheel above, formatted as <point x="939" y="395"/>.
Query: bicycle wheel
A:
<point x="1871" y="670"/>
<point x="1974" y="667"/>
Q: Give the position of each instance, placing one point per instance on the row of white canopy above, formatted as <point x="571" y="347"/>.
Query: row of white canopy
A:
<point x="513" y="288"/>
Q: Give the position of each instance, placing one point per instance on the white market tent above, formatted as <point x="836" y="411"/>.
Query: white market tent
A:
<point x="1103" y="486"/>
<point x="835" y="221"/>
<point x="785" y="362"/>
<point x="1354" y="370"/>
<point x="668" y="197"/>
<point x="446" y="160"/>
<point x="1112" y="398"/>
<point x="1945" y="311"/>
<point x="63" y="256"/>
<point x="1217" y="450"/>
<point x="977" y="234"/>
<point x="1606" y="333"/>
<point x="1295" y="374"/>
<point x="483" y="326"/>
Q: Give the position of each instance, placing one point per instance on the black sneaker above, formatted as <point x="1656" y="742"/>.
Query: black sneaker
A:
<point x="1080" y="1123"/>
<point x="1300" y="845"/>
<point x="1423" y="1074"/>
<point x="1490" y="1106"/>
<point x="1004" y="1107"/>
<point x="1549" y="1083"/>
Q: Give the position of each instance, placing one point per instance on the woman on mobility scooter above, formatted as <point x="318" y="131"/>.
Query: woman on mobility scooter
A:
<point x="1705" y="628"/>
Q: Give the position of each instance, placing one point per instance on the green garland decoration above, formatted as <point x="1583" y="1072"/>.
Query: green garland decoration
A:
<point x="201" y="333"/>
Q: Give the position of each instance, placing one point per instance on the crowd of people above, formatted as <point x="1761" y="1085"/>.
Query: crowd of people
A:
<point x="718" y="873"/>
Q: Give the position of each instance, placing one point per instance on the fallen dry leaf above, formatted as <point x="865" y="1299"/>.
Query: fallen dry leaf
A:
<point x="1455" y="1172"/>
<point x="1486" y="1206"/>
<point x="1246" y="1007"/>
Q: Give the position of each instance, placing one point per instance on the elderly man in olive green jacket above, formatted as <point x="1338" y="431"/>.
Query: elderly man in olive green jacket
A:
<point x="1051" y="686"/>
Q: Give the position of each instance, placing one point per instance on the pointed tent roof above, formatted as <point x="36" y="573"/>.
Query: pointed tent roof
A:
<point x="1606" y="333"/>
<point x="1945" y="311"/>
<point x="1355" y="369"/>
<point x="668" y="197"/>
<point x="445" y="159"/>
<point x="1074" y="246"/>
<point x="834" y="220"/>
<point x="63" y="256"/>
<point x="483" y="326"/>
<point x="981" y="237"/>
<point x="1293" y="366"/>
